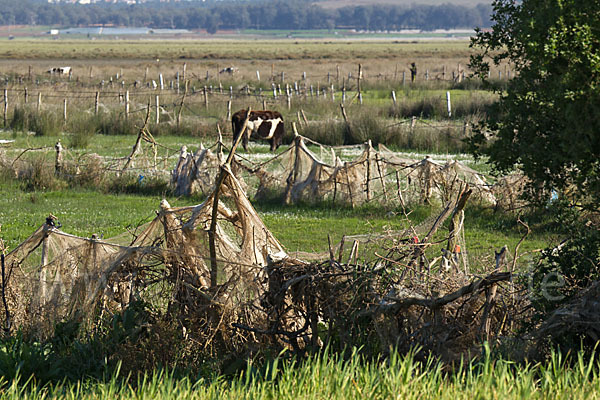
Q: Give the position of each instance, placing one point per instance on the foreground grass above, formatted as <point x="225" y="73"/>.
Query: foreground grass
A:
<point x="329" y="377"/>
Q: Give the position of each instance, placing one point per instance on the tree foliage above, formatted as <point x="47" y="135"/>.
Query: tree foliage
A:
<point x="234" y="15"/>
<point x="547" y="121"/>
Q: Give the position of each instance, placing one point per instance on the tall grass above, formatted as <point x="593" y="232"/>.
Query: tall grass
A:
<point x="43" y="123"/>
<point x="335" y="377"/>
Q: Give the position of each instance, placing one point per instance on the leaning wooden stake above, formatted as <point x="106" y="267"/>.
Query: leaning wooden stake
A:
<point x="215" y="207"/>
<point x="456" y="226"/>
<point x="138" y="141"/>
<point x="457" y="219"/>
<point x="181" y="104"/>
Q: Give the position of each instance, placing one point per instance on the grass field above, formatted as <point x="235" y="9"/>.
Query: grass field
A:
<point x="111" y="209"/>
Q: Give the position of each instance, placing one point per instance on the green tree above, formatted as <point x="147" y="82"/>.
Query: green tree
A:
<point x="547" y="120"/>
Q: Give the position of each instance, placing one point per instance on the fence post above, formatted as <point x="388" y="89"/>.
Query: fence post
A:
<point x="96" y="101"/>
<point x="449" y="106"/>
<point x="394" y="97"/>
<point x="358" y="80"/>
<point x="65" y="111"/>
<point x="43" y="271"/>
<point x="5" y="107"/>
<point x="157" y="110"/>
<point x="26" y="95"/>
<point x="39" y="101"/>
<point x="184" y="68"/>
<point x="59" y="158"/>
<point x="257" y="75"/>
<point x="205" y="98"/>
<point x="228" y="110"/>
<point x="161" y="81"/>
<point x="127" y="104"/>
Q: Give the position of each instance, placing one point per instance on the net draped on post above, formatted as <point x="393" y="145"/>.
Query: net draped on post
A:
<point x="54" y="276"/>
<point x="299" y="175"/>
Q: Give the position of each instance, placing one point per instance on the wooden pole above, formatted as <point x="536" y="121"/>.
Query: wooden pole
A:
<point x="228" y="110"/>
<point x="26" y="95"/>
<point x="448" y="104"/>
<point x="127" y="104"/>
<point x="157" y="110"/>
<point x="358" y="79"/>
<point x="43" y="272"/>
<point x="382" y="180"/>
<point x="344" y="113"/>
<point x="215" y="206"/>
<point x="181" y="104"/>
<point x="65" y="111"/>
<point x="59" y="158"/>
<point x="96" y="102"/>
<point x="39" y="101"/>
<point x="349" y="186"/>
<point x="5" y="107"/>
<point x="369" y="170"/>
<point x="304" y="117"/>
<point x="205" y="98"/>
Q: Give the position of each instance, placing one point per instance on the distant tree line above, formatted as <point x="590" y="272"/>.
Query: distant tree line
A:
<point x="298" y="14"/>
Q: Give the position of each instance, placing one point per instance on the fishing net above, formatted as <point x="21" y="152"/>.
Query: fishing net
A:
<point x="54" y="276"/>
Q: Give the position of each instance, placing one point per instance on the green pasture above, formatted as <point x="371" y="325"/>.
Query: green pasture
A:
<point x="306" y="228"/>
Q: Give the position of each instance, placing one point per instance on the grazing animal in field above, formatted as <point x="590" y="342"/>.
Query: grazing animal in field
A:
<point x="228" y="70"/>
<point x="266" y="125"/>
<point x="60" y="70"/>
